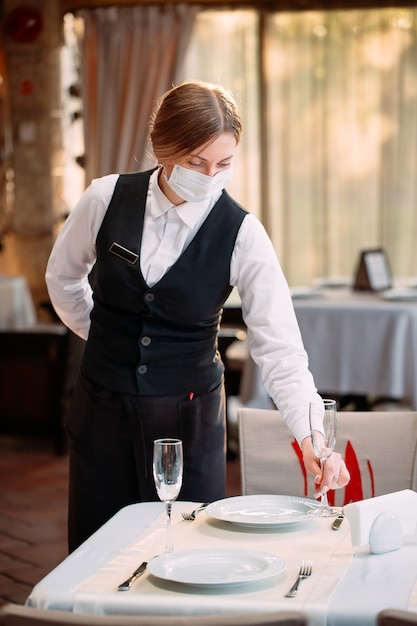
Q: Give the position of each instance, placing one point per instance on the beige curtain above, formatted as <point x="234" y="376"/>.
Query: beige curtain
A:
<point x="130" y="56"/>
<point x="223" y="50"/>
<point x="343" y="138"/>
<point x="329" y="103"/>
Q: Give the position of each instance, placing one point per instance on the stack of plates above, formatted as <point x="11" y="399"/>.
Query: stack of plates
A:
<point x="400" y="294"/>
<point x="333" y="282"/>
<point x="305" y="292"/>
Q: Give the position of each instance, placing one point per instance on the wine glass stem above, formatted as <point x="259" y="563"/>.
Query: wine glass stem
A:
<point x="324" y="501"/>
<point x="169" y="547"/>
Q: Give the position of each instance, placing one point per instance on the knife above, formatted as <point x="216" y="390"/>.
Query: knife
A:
<point x="337" y="522"/>
<point x="125" y="586"/>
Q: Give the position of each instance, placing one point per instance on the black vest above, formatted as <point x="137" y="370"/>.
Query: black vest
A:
<point x="159" y="340"/>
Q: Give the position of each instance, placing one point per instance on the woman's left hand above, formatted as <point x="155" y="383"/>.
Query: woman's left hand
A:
<point x="335" y="473"/>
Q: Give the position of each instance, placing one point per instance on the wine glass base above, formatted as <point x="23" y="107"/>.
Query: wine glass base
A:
<point x="324" y="512"/>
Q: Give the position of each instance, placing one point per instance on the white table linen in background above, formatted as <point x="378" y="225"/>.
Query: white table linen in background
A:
<point x="357" y="343"/>
<point x="17" y="310"/>
<point x="87" y="580"/>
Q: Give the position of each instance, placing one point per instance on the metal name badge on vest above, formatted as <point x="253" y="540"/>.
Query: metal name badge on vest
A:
<point x="123" y="253"/>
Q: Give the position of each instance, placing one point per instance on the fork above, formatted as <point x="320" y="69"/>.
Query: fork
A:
<point x="305" y="571"/>
<point x="190" y="517"/>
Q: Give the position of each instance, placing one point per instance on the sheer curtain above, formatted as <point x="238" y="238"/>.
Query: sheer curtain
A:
<point x="130" y="56"/>
<point x="224" y="49"/>
<point x="329" y="102"/>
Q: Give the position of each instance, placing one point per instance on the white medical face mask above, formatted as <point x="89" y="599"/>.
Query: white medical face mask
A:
<point x="193" y="186"/>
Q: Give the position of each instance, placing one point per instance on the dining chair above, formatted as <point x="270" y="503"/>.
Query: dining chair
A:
<point x="19" y="615"/>
<point x="379" y="449"/>
<point x="396" y="617"/>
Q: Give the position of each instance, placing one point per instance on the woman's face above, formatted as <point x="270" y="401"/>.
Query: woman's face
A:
<point x="209" y="159"/>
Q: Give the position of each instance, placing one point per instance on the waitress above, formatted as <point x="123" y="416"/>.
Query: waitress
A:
<point x="141" y="271"/>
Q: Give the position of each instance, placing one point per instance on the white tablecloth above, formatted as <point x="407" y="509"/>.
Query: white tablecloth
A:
<point x="16" y="306"/>
<point x="341" y="582"/>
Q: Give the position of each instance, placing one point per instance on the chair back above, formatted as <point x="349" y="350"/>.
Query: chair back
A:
<point x="17" y="615"/>
<point x="379" y="449"/>
<point x="396" y="617"/>
<point x="34" y="360"/>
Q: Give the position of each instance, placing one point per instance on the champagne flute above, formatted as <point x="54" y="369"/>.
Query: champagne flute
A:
<point x="323" y="428"/>
<point x="167" y="473"/>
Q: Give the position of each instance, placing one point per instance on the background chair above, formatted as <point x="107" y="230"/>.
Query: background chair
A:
<point x="379" y="449"/>
<point x="38" y="369"/>
<point x="396" y="617"/>
<point x="32" y="377"/>
<point x="17" y="615"/>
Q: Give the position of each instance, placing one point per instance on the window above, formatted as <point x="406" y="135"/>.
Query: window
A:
<point x="328" y="159"/>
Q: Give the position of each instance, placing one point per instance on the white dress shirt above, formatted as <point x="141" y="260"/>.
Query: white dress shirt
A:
<point x="273" y="335"/>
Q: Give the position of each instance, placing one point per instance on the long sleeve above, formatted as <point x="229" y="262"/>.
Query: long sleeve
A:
<point x="73" y="256"/>
<point x="274" y="337"/>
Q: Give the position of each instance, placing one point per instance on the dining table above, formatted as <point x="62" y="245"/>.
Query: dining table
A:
<point x="235" y="557"/>
<point x="17" y="309"/>
<point x="359" y="343"/>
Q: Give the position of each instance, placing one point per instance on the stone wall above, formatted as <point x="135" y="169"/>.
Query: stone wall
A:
<point x="33" y="40"/>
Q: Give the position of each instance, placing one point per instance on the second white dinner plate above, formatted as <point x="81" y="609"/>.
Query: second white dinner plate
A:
<point x="216" y="566"/>
<point x="400" y="295"/>
<point x="264" y="511"/>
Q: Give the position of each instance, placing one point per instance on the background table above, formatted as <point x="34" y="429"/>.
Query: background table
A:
<point x="342" y="589"/>
<point x="16" y="305"/>
<point x="357" y="342"/>
<point x="35" y="382"/>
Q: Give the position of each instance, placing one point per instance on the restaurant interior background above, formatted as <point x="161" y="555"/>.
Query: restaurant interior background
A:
<point x="328" y="94"/>
<point x="328" y="160"/>
<point x="329" y="102"/>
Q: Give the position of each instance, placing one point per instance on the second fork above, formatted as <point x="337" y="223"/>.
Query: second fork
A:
<point x="305" y="571"/>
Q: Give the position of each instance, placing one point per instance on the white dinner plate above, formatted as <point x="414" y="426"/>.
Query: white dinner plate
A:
<point x="216" y="566"/>
<point x="400" y="295"/>
<point x="265" y="511"/>
<point x="333" y="282"/>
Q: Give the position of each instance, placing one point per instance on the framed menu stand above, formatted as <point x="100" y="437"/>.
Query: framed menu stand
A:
<point x="373" y="273"/>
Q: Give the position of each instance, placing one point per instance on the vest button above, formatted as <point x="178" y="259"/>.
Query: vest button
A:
<point x="145" y="341"/>
<point x="149" y="297"/>
<point x="142" y="369"/>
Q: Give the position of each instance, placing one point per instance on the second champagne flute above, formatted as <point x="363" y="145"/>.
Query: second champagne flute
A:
<point x="167" y="473"/>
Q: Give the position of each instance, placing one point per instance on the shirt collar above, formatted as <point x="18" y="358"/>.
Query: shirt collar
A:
<point x="160" y="203"/>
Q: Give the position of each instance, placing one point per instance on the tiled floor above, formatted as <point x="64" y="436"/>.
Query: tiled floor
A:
<point x="33" y="510"/>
